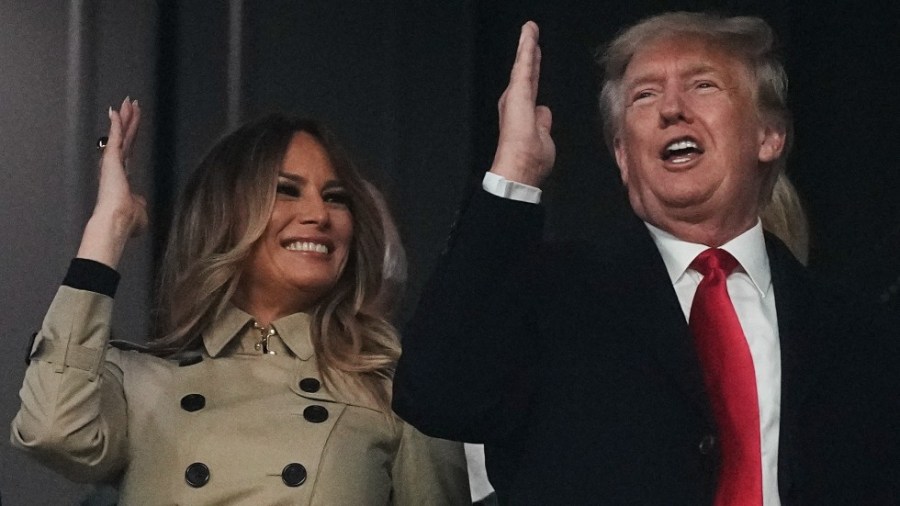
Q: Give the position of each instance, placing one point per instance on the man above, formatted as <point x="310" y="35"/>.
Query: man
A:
<point x="688" y="359"/>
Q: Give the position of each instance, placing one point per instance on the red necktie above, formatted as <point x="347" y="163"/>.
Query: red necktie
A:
<point x="730" y="381"/>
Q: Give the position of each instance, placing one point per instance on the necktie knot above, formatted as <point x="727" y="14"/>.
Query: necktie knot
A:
<point x="714" y="259"/>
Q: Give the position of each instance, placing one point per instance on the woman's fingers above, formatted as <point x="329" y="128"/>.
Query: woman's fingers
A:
<point x="114" y="143"/>
<point x="119" y="213"/>
<point x="130" y="128"/>
<point x="125" y="111"/>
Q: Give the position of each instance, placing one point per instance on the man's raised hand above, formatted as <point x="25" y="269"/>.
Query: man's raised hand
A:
<point x="525" y="150"/>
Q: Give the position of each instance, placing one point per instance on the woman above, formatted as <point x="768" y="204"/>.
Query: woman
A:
<point x="270" y="381"/>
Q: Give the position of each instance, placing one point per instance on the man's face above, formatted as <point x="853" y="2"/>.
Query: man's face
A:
<point x="691" y="141"/>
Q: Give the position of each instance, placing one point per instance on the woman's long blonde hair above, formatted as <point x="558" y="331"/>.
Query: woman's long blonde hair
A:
<point x="224" y="210"/>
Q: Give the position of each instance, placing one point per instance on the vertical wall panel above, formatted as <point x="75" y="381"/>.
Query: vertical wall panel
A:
<point x="63" y="63"/>
<point x="35" y="232"/>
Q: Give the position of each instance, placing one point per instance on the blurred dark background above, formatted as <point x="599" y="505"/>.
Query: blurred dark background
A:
<point x="411" y="87"/>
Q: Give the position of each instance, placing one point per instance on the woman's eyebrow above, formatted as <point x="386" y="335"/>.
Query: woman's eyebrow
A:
<point x="292" y="177"/>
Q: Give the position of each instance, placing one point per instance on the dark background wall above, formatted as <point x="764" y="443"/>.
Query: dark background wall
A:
<point x="412" y="88"/>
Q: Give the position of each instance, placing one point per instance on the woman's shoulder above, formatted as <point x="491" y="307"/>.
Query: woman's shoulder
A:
<point x="139" y="356"/>
<point x="346" y="389"/>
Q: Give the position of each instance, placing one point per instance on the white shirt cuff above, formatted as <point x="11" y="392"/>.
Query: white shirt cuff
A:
<point x="502" y="187"/>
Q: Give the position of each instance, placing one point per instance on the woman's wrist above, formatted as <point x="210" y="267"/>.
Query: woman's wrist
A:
<point x="104" y="238"/>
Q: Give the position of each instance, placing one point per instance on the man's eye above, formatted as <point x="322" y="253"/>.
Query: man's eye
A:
<point x="642" y="95"/>
<point x="287" y="189"/>
<point x="705" y="85"/>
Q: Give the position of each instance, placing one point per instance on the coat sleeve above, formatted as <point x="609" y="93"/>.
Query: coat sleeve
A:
<point x="429" y="471"/>
<point x="469" y="349"/>
<point x="72" y="416"/>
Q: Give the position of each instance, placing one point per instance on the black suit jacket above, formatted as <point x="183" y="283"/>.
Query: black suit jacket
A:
<point x="573" y="363"/>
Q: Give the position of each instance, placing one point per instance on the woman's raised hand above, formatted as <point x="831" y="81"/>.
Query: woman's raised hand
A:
<point x="119" y="213"/>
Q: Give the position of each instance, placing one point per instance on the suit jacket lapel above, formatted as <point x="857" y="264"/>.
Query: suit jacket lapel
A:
<point x="801" y="326"/>
<point x="657" y="318"/>
<point x="805" y="348"/>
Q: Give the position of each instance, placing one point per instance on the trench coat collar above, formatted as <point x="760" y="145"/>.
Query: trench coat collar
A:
<point x="292" y="329"/>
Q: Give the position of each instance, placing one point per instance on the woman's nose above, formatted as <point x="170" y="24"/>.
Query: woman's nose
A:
<point x="313" y="210"/>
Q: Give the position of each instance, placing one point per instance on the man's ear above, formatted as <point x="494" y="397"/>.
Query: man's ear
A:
<point x="621" y="159"/>
<point x="772" y="138"/>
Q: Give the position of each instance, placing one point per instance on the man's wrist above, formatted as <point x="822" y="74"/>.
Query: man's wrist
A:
<point x="498" y="185"/>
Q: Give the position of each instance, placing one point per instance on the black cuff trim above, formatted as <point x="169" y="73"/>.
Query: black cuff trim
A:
<point x="93" y="276"/>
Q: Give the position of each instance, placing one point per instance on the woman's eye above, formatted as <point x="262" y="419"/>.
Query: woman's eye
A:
<point x="337" y="197"/>
<point x="287" y="189"/>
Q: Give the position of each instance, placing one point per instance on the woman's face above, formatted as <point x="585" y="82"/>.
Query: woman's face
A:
<point x="305" y="246"/>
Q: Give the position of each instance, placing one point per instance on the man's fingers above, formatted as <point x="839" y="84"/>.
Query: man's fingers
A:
<point x="536" y="69"/>
<point x="543" y="118"/>
<point x="526" y="69"/>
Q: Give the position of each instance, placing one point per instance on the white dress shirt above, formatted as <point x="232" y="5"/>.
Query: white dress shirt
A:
<point x="751" y="292"/>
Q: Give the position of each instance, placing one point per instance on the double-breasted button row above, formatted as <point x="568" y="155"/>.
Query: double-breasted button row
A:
<point x="197" y="474"/>
<point x="314" y="413"/>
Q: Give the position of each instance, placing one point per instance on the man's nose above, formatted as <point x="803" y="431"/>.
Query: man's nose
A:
<point x="672" y="107"/>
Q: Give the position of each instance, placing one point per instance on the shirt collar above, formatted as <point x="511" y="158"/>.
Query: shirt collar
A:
<point x="292" y="329"/>
<point x="749" y="249"/>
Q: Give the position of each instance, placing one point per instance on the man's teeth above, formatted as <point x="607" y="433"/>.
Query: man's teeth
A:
<point x="679" y="145"/>
<point x="307" y="246"/>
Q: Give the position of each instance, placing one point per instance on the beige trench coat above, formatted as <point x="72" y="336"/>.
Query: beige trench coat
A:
<point x="228" y="426"/>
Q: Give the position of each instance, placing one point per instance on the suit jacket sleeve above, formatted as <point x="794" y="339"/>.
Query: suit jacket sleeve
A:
<point x="464" y="370"/>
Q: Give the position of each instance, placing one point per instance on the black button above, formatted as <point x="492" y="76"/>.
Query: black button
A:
<point x="707" y="444"/>
<point x="310" y="385"/>
<point x="196" y="475"/>
<point x="293" y="475"/>
<point x="195" y="359"/>
<point x="315" y="414"/>
<point x="193" y="402"/>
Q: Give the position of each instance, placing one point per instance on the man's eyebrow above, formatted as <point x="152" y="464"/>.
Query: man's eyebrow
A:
<point x="658" y="77"/>
<point x="653" y="78"/>
<point x="700" y="68"/>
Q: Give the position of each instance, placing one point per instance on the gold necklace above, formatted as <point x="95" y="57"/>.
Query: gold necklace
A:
<point x="265" y="333"/>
